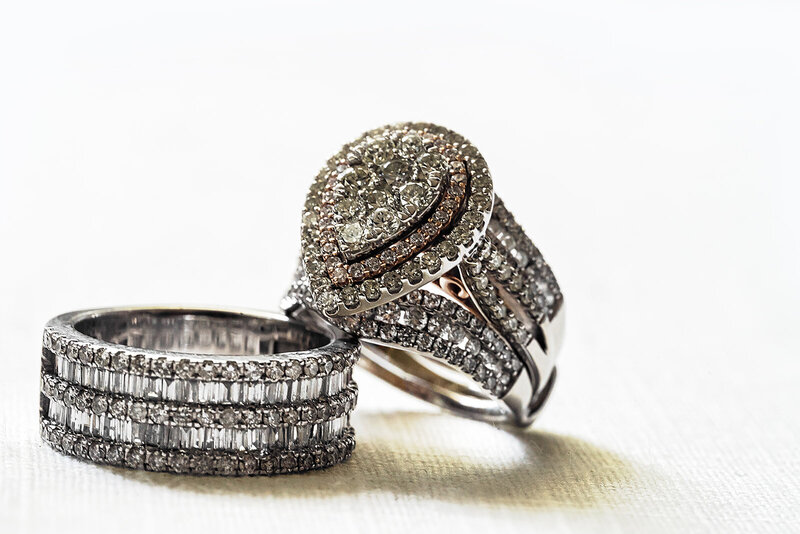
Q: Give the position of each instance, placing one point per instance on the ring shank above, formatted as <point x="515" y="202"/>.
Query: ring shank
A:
<point x="411" y="372"/>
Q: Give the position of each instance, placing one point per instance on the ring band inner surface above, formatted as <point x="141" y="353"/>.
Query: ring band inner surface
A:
<point x="201" y="331"/>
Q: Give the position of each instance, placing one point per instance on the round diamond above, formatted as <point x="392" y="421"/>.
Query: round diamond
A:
<point x="371" y="290"/>
<point x="228" y="417"/>
<point x="412" y="272"/>
<point x="350" y="297"/>
<point x="388" y="256"/>
<point x="376" y="151"/>
<point x="351" y="179"/>
<point x="412" y="196"/>
<point x="274" y="372"/>
<point x="411" y="144"/>
<point x="311" y="368"/>
<point x="99" y="404"/>
<point x="356" y="270"/>
<point x="481" y="201"/>
<point x="431" y="161"/>
<point x="377" y="198"/>
<point x="393" y="282"/>
<point x="352" y="232"/>
<point x="397" y="170"/>
<point x="385" y="220"/>
<point x="138" y="412"/>
<point x="431" y="261"/>
<point x="119" y="361"/>
<point x="448" y="250"/>
<point x="135" y="458"/>
<point x="329" y="302"/>
<point x="293" y="370"/>
<point x="372" y="264"/>
<point x="309" y="218"/>
<point x="348" y="207"/>
<point x="97" y="452"/>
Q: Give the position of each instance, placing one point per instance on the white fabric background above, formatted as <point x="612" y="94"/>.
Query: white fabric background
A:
<point x="160" y="152"/>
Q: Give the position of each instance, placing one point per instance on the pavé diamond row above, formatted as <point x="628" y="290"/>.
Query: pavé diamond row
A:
<point x="198" y="461"/>
<point x="197" y="390"/>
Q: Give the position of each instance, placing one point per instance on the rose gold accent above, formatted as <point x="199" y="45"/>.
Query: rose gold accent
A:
<point x="452" y="287"/>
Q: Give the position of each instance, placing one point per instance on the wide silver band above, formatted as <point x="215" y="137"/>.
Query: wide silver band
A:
<point x="480" y="341"/>
<point x="201" y="391"/>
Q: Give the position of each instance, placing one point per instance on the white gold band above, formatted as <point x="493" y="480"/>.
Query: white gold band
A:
<point x="202" y="391"/>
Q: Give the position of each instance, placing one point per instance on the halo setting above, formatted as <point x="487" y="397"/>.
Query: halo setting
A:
<point x="393" y="210"/>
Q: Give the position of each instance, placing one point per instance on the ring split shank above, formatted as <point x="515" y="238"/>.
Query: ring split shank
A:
<point x="197" y="391"/>
<point x="465" y="288"/>
<point x="503" y="337"/>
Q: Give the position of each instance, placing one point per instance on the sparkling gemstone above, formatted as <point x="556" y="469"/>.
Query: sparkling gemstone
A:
<point x="352" y="232"/>
<point x="120" y="361"/>
<point x="448" y="250"/>
<point x="385" y="220"/>
<point x="138" y="412"/>
<point x="412" y="272"/>
<point x="329" y="302"/>
<point x="398" y="170"/>
<point x="230" y="371"/>
<point x="377" y="198"/>
<point x="179" y="461"/>
<point x="393" y="282"/>
<point x="85" y="355"/>
<point x="311" y="368"/>
<point x="350" y="297"/>
<point x="114" y="454"/>
<point x="373" y="265"/>
<point x="388" y="257"/>
<point x="293" y="370"/>
<point x="253" y="370"/>
<point x="135" y="458"/>
<point x="309" y="218"/>
<point x="157" y="460"/>
<point x="356" y="270"/>
<point x="99" y="404"/>
<point x="413" y="195"/>
<point x="118" y="408"/>
<point x="431" y="261"/>
<point x="348" y="207"/>
<point x="97" y="452"/>
<point x="274" y="372"/>
<point x="228" y="417"/>
<point x="339" y="275"/>
<point x="432" y="161"/>
<point x="481" y="201"/>
<point x="371" y="289"/>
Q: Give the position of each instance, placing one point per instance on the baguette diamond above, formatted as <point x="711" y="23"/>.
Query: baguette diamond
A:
<point x="197" y="391"/>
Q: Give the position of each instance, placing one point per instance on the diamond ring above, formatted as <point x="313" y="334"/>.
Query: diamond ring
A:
<point x="405" y="245"/>
<point x="200" y="391"/>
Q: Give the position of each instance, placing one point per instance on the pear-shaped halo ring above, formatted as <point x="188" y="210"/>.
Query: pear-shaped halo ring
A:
<point x="406" y="245"/>
<point x="392" y="211"/>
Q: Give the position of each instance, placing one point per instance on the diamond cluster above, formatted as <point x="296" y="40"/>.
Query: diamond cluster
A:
<point x="182" y="412"/>
<point x="392" y="210"/>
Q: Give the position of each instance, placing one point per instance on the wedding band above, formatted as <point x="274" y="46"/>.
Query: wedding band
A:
<point x="452" y="301"/>
<point x="200" y="391"/>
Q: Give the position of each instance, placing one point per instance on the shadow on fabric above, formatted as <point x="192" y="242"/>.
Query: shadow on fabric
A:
<point x="440" y="457"/>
